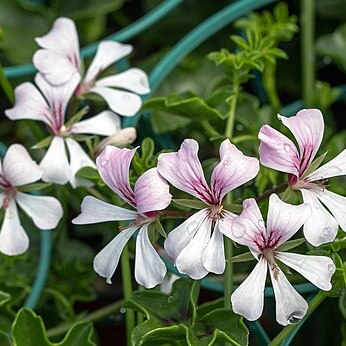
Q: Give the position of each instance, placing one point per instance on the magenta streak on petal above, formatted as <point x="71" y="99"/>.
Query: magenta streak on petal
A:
<point x="4" y="183"/>
<point x="305" y="158"/>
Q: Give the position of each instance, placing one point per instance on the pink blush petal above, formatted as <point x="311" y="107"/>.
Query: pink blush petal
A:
<point x="277" y="151"/>
<point x="151" y="192"/>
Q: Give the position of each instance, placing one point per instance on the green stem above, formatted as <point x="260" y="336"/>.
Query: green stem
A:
<point x="94" y="316"/>
<point x="307" y="20"/>
<point x="231" y="114"/>
<point x="267" y="193"/>
<point x="228" y="275"/>
<point x="209" y="129"/>
<point x="6" y="86"/>
<point x="315" y="302"/>
<point x="127" y="289"/>
<point x="269" y="83"/>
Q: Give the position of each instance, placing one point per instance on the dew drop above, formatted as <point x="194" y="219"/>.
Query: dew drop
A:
<point x="317" y="205"/>
<point x="326" y="230"/>
<point x="293" y="320"/>
<point x="287" y="148"/>
<point x="295" y="317"/>
<point x="104" y="163"/>
<point x="122" y="310"/>
<point x="225" y="162"/>
<point x="261" y="223"/>
<point x="238" y="229"/>
<point x="331" y="267"/>
<point x="239" y="127"/>
<point x="321" y="283"/>
<point x="302" y="264"/>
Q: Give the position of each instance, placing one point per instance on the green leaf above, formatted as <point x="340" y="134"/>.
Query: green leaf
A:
<point x="77" y="117"/>
<point x="315" y="164"/>
<point x="44" y="143"/>
<point x="334" y="46"/>
<point x="191" y="203"/>
<point x="244" y="257"/>
<point x="291" y="244"/>
<point x="28" y="330"/>
<point x="160" y="229"/>
<point x="89" y="173"/>
<point x="234" y="208"/>
<point x="163" y="122"/>
<point x="34" y="187"/>
<point x="5" y="339"/>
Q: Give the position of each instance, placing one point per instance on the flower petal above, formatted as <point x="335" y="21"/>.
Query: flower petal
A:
<point x="78" y="160"/>
<point x="30" y="104"/>
<point x="113" y="165"/>
<point x="60" y="58"/>
<point x="247" y="229"/>
<point x="184" y="170"/>
<point x="19" y="168"/>
<point x="290" y="305"/>
<point x="284" y="220"/>
<point x="180" y="236"/>
<point x="234" y="169"/>
<point x="333" y="168"/>
<point x="134" y="79"/>
<point x="317" y="269"/>
<point x="106" y="261"/>
<point x="107" y="53"/>
<point x="104" y="124"/>
<point x="335" y="203"/>
<point x="94" y="211"/>
<point x="307" y="127"/>
<point x="190" y="259"/>
<point x="45" y="211"/>
<point x="248" y="298"/>
<point x="213" y="256"/>
<point x="151" y="192"/>
<point x="13" y="239"/>
<point x="56" y="168"/>
<point x="122" y="102"/>
<point x="277" y="151"/>
<point x="149" y="267"/>
<point x="320" y="227"/>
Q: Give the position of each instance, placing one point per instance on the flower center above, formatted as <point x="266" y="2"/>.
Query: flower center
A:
<point x="215" y="212"/>
<point x="269" y="255"/>
<point x="305" y="184"/>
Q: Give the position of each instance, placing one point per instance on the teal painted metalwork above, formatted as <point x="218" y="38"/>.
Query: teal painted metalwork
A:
<point x="125" y="34"/>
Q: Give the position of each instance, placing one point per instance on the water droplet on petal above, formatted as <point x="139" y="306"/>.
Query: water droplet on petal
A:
<point x="295" y="317"/>
<point x="287" y="148"/>
<point x="294" y="320"/>
<point x="331" y="267"/>
<point x="321" y="283"/>
<point x="238" y="229"/>
<point x="261" y="223"/>
<point x="104" y="163"/>
<point x="225" y="162"/>
<point x="317" y="205"/>
<point x="302" y="264"/>
<point x="326" y="230"/>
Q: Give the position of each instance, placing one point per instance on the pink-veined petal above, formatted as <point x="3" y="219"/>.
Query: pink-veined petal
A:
<point x="180" y="236"/>
<point x="59" y="59"/>
<point x="320" y="227"/>
<point x="121" y="139"/>
<point x="19" y="168"/>
<point x="335" y="203"/>
<point x="284" y="220"/>
<point x="189" y="260"/>
<point x="317" y="269"/>
<point x="30" y="104"/>
<point x="149" y="267"/>
<point x="184" y="170"/>
<point x="333" y="168"/>
<point x="108" y="52"/>
<point x="277" y="151"/>
<point x="290" y="305"/>
<point x="113" y="165"/>
<point x="13" y="239"/>
<point x="134" y="79"/>
<point x="248" y="298"/>
<point x="307" y="127"/>
<point x="122" y="102"/>
<point x="213" y="256"/>
<point x="151" y="192"/>
<point x="78" y="160"/>
<point x="45" y="211"/>
<point x="247" y="229"/>
<point x="56" y="168"/>
<point x="234" y="169"/>
<point x="106" y="123"/>
<point x="106" y="261"/>
<point x="94" y="211"/>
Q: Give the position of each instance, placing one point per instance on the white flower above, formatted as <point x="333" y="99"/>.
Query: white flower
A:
<point x="16" y="170"/>
<point x="59" y="61"/>
<point x="283" y="221"/>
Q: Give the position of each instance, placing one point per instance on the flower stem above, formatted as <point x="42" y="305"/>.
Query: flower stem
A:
<point x="93" y="316"/>
<point x="315" y="302"/>
<point x="6" y="86"/>
<point x="231" y="114"/>
<point x="209" y="129"/>
<point x="228" y="275"/>
<point x="307" y="20"/>
<point x="267" y="193"/>
<point x="127" y="289"/>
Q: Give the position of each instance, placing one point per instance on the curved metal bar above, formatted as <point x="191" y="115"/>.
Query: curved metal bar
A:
<point x="125" y="34"/>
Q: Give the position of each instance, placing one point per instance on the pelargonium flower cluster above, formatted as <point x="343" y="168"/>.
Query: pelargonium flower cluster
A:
<point x="197" y="246"/>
